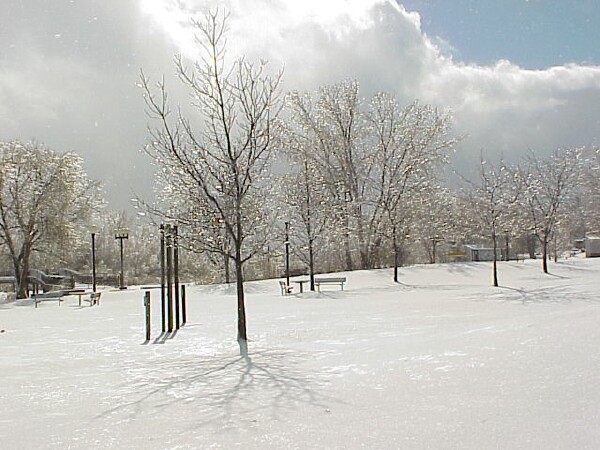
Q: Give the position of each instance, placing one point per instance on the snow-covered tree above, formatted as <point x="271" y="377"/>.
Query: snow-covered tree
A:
<point x="435" y="219"/>
<point x="590" y="195"/>
<point x="492" y="200"/>
<point x="335" y="123"/>
<point x="305" y="188"/>
<point x="410" y="144"/>
<point x="46" y="200"/>
<point x="549" y="186"/>
<point x="213" y="161"/>
<point x="372" y="157"/>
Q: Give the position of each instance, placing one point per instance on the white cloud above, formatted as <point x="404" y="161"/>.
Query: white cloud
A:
<point x="501" y="107"/>
<point x="50" y="87"/>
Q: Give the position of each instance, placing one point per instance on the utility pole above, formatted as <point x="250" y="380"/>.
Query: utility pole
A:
<point x="287" y="253"/>
<point x="120" y="234"/>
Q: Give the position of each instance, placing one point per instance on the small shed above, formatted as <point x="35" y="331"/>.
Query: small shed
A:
<point x="592" y="246"/>
<point x="478" y="253"/>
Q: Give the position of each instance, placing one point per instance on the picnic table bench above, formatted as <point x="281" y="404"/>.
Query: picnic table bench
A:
<point x="330" y="280"/>
<point x="45" y="296"/>
<point x="285" y="288"/>
<point x="93" y="298"/>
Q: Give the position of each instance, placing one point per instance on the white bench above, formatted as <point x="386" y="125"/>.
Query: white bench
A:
<point x="94" y="298"/>
<point x="46" y="296"/>
<point x="320" y="281"/>
<point x="285" y="288"/>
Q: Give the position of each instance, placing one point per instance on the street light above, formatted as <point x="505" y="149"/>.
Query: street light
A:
<point x="435" y="240"/>
<point x="220" y="222"/>
<point x="120" y="234"/>
<point x="93" y="230"/>
<point x="287" y="253"/>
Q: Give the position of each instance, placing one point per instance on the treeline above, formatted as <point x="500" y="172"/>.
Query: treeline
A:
<point x="360" y="183"/>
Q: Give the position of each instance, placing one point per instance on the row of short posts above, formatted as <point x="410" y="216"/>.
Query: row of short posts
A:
<point x="172" y="295"/>
<point x="173" y="305"/>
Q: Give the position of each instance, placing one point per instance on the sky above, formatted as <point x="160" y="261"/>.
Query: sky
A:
<point x="516" y="74"/>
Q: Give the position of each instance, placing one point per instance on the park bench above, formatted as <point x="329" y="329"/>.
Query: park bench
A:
<point x="285" y="288"/>
<point x="46" y="296"/>
<point x="93" y="298"/>
<point x="328" y="280"/>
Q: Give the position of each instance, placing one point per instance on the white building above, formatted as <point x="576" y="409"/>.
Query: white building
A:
<point x="592" y="246"/>
<point x="477" y="253"/>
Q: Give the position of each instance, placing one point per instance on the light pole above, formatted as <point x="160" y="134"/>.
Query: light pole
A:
<point x="93" y="230"/>
<point x="395" y="244"/>
<point x="220" y="222"/>
<point x="506" y="255"/>
<point x="163" y="291"/>
<point x="287" y="253"/>
<point x="434" y="241"/>
<point x="120" y="234"/>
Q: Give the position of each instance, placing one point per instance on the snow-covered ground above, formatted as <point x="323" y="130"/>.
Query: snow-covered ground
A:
<point x="442" y="360"/>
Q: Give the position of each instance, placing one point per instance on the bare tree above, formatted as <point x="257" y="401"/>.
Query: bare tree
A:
<point x="434" y="221"/>
<point x="492" y="201"/>
<point x="335" y="126"/>
<point x="306" y="189"/>
<point x="410" y="144"/>
<point x="590" y="196"/>
<point x="45" y="198"/>
<point x="212" y="171"/>
<point x="372" y="158"/>
<point x="549" y="184"/>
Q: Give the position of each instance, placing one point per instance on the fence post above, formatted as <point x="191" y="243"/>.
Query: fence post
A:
<point x="147" y="305"/>
<point x="162" y="278"/>
<point x="169" y="242"/>
<point x="176" y="273"/>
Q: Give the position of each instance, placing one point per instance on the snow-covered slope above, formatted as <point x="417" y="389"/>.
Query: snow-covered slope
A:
<point x="442" y="360"/>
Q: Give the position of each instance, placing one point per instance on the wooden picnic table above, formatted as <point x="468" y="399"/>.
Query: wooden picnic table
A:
<point x="94" y="297"/>
<point x="301" y="283"/>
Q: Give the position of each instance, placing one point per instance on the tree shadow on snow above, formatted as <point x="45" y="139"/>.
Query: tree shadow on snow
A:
<point x="223" y="390"/>
<point x="550" y="294"/>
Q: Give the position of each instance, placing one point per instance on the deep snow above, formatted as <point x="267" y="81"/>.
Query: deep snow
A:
<point x="442" y="360"/>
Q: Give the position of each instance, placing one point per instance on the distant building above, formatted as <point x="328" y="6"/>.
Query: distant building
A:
<point x="592" y="246"/>
<point x="477" y="253"/>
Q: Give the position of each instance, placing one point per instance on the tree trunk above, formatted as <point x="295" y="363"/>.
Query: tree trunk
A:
<point x="242" y="334"/>
<point x="363" y="244"/>
<point x="20" y="280"/>
<point x="531" y="240"/>
<point x="226" y="266"/>
<point x="311" y="264"/>
<point x="495" y="260"/>
<point x="545" y="255"/>
<point x="21" y="267"/>
<point x="348" y="253"/>
<point x="395" y="244"/>
<point x="309" y="227"/>
<point x="226" y="257"/>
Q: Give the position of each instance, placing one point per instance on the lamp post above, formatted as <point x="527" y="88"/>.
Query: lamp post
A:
<point x="287" y="253"/>
<point x="93" y="230"/>
<point x="163" y="291"/>
<point x="120" y="234"/>
<point x="506" y="255"/>
<point x="220" y="222"/>
<point x="434" y="241"/>
<point x="395" y="244"/>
